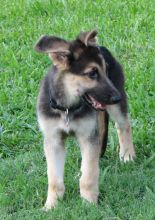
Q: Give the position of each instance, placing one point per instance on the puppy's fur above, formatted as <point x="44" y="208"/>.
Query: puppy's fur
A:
<point x="84" y="86"/>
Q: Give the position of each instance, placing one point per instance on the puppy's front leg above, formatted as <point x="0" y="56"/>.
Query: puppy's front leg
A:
<point x="123" y="127"/>
<point x="90" y="170"/>
<point x="55" y="157"/>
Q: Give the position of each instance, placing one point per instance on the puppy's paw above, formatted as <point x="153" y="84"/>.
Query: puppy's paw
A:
<point x="89" y="196"/>
<point x="50" y="204"/>
<point x="53" y="198"/>
<point x="128" y="155"/>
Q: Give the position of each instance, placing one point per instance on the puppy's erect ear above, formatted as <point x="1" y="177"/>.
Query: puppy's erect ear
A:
<point x="88" y="38"/>
<point x="56" y="48"/>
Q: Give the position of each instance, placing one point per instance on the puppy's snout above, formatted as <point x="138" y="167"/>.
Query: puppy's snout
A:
<point x="115" y="99"/>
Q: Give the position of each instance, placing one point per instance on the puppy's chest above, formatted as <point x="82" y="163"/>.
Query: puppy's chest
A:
<point x="68" y="124"/>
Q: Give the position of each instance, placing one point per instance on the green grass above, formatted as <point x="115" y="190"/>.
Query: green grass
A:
<point x="127" y="192"/>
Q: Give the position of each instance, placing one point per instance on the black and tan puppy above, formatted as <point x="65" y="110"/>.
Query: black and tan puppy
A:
<point x="84" y="86"/>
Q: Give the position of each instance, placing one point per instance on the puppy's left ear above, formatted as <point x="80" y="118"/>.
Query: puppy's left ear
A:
<point x="88" y="38"/>
<point x="56" y="48"/>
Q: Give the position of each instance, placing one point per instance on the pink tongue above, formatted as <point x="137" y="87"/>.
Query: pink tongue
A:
<point x="96" y="104"/>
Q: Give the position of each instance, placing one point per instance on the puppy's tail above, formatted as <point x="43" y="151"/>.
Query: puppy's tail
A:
<point x="104" y="134"/>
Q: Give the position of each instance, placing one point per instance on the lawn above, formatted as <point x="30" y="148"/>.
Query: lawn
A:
<point x="127" y="191"/>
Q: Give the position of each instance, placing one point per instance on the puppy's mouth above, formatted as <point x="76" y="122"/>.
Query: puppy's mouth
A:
<point x="91" y="101"/>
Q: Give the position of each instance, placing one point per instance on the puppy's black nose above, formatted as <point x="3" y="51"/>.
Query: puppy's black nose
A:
<point x="115" y="99"/>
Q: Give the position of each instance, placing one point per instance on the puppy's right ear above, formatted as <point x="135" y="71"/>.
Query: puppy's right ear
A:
<point x="56" y="48"/>
<point x="88" y="38"/>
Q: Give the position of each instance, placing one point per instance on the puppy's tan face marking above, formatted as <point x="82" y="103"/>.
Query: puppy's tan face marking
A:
<point x="75" y="86"/>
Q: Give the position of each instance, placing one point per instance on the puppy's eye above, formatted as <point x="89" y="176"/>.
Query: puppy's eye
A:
<point x="93" y="74"/>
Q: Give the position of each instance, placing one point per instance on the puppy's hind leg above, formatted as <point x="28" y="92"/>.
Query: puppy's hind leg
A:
<point x="55" y="157"/>
<point x="123" y="127"/>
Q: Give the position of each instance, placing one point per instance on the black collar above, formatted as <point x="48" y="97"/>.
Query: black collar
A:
<point x="54" y="105"/>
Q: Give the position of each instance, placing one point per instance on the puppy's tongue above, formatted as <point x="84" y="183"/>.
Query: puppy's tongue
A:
<point x="95" y="104"/>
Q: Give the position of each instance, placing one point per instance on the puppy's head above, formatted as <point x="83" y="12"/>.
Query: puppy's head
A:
<point x="83" y="62"/>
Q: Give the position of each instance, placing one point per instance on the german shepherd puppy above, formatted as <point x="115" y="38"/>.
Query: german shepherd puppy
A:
<point x="84" y="86"/>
